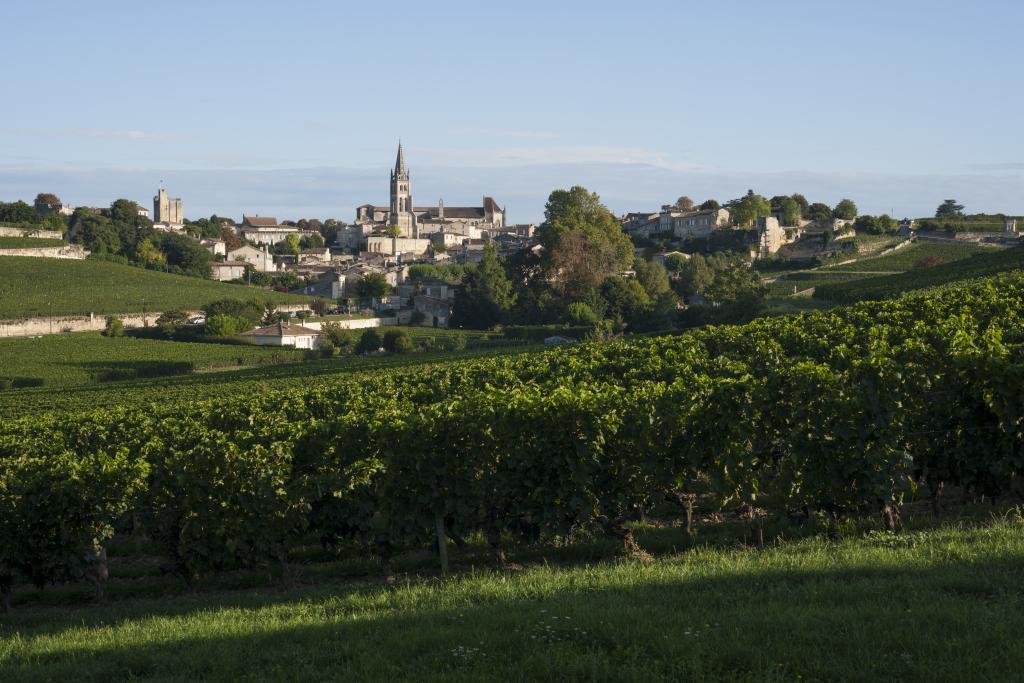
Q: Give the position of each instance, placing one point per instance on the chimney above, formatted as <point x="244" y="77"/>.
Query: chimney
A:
<point x="440" y="209"/>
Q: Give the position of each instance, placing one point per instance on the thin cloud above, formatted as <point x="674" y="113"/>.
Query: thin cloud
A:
<point x="93" y="133"/>
<point x="490" y="157"/>
<point x="999" y="166"/>
<point x="506" y="133"/>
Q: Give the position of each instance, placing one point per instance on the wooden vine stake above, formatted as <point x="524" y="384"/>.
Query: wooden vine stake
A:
<point x="442" y="542"/>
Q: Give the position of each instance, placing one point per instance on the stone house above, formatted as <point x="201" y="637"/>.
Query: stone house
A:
<point x="437" y="312"/>
<point x="227" y="270"/>
<point x="284" y="334"/>
<point x="264" y="230"/>
<point x="260" y="259"/>
<point x="215" y="247"/>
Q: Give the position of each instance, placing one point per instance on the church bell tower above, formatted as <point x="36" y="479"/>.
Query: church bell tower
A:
<point x="401" y="197"/>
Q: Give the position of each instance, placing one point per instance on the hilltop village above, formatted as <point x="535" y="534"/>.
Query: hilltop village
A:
<point x="433" y="265"/>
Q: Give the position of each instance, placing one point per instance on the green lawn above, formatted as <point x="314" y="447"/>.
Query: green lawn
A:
<point x="39" y="287"/>
<point x="88" y="358"/>
<point x="29" y="242"/>
<point x="936" y="605"/>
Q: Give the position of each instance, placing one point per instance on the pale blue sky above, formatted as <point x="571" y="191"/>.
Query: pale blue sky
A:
<point x="295" y="108"/>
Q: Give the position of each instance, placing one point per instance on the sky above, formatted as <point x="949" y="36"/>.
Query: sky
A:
<point x="295" y="109"/>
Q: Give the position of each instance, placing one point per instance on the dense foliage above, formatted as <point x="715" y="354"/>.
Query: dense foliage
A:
<point x="827" y="414"/>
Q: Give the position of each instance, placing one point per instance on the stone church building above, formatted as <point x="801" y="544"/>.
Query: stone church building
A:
<point x="422" y="221"/>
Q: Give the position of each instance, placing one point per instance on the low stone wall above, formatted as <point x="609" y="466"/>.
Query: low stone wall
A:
<point x="985" y="239"/>
<point x="354" y="323"/>
<point x="26" y="232"/>
<point x="30" y="327"/>
<point x="71" y="251"/>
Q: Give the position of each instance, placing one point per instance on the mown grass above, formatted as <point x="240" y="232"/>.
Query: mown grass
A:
<point x="932" y="605"/>
<point x="32" y="287"/>
<point x="87" y="358"/>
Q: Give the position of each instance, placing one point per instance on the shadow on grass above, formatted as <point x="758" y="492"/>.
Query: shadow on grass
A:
<point x="672" y="620"/>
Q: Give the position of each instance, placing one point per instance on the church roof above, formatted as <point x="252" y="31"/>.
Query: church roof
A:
<point x="260" y="221"/>
<point x="452" y="211"/>
<point x="400" y="161"/>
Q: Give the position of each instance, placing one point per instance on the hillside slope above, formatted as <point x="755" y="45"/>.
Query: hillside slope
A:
<point x="988" y="262"/>
<point x="31" y="287"/>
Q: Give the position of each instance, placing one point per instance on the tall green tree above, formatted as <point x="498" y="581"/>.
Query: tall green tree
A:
<point x="802" y="203"/>
<point x="583" y="242"/>
<point x="791" y="212"/>
<point x="748" y="208"/>
<point x="374" y="286"/>
<point x="710" y="205"/>
<point x="845" y="209"/>
<point x="486" y="295"/>
<point x="949" y="209"/>
<point x="820" y="213"/>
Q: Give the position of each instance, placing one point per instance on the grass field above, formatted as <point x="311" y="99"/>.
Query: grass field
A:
<point x="41" y="287"/>
<point x="29" y="242"/>
<point x="88" y="358"/>
<point x="935" y="604"/>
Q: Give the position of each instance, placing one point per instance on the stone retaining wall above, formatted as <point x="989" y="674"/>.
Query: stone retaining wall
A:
<point x="71" y="251"/>
<point x="27" y="232"/>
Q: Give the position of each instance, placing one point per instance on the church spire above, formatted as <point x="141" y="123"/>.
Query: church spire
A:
<point x="400" y="168"/>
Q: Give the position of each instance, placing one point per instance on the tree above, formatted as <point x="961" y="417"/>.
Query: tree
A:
<point x="170" y="322"/>
<point x="802" y="203"/>
<point x="845" y="209"/>
<point x="879" y="225"/>
<point x="625" y="298"/>
<point x="710" y="205"/>
<point x="114" y="327"/>
<point x="652" y="276"/>
<point x="226" y="325"/>
<point x="47" y="198"/>
<point x="583" y="242"/>
<point x="397" y="341"/>
<point x="252" y="310"/>
<point x="95" y="233"/>
<point x="17" y="212"/>
<point x="231" y="240"/>
<point x="185" y="254"/>
<point x="579" y="313"/>
<point x="949" y="209"/>
<point x="789" y="207"/>
<point x="148" y="254"/>
<point x="393" y="231"/>
<point x="820" y="213"/>
<point x="674" y="263"/>
<point x="695" y="276"/>
<point x="485" y="297"/>
<point x="684" y="203"/>
<point x="369" y="342"/>
<point x="373" y="286"/>
<point x="747" y="209"/>
<point x="312" y="242"/>
<point x="125" y="211"/>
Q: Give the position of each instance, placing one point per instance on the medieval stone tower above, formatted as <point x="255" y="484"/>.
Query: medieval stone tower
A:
<point x="401" y="198"/>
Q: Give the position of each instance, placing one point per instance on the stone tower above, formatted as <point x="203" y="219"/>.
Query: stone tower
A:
<point x="167" y="210"/>
<point x="401" y="197"/>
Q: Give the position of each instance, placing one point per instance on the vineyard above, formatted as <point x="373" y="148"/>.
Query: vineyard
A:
<point x="88" y="358"/>
<point x="985" y="263"/>
<point x="7" y="242"/>
<point x="822" y="417"/>
<point x="28" y="287"/>
<point x="208" y="386"/>
<point x="906" y="259"/>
